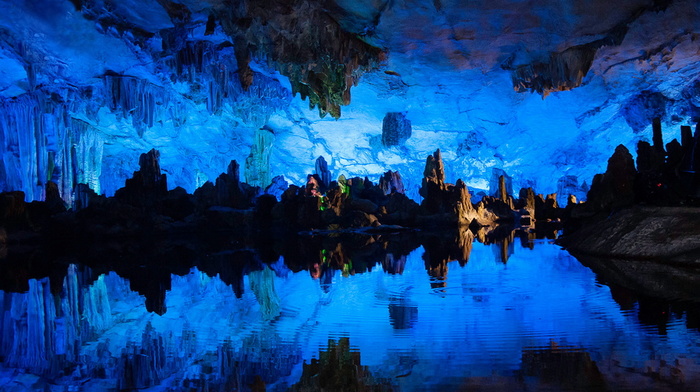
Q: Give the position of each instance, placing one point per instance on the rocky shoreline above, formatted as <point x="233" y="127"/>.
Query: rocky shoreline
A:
<point x="144" y="206"/>
<point x="647" y="211"/>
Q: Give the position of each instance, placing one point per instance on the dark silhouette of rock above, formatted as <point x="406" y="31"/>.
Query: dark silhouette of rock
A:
<point x="563" y="368"/>
<point x="82" y="196"/>
<point x="525" y="206"/>
<point x="147" y="186"/>
<point x="547" y="208"/>
<point x="433" y="183"/>
<point x="400" y="210"/>
<point x="228" y="188"/>
<point x="526" y="200"/>
<point x="277" y="186"/>
<point x="53" y="199"/>
<point x="504" y="193"/>
<point x="444" y="203"/>
<point x="264" y="205"/>
<point x="396" y="129"/>
<point x="649" y="182"/>
<point x="615" y="188"/>
<point x="391" y="182"/>
<point x="492" y="209"/>
<point x="228" y="191"/>
<point x="495" y="182"/>
<point x="178" y="204"/>
<point x="323" y="173"/>
<point x="657" y="138"/>
<point x="13" y="209"/>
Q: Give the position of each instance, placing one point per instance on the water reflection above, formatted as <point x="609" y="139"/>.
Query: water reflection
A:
<point x="410" y="311"/>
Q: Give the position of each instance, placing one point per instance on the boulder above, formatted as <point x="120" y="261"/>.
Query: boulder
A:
<point x="396" y="129"/>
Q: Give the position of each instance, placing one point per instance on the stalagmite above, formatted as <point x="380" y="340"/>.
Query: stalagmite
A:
<point x="323" y="173"/>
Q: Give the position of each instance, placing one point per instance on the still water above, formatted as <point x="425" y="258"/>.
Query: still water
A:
<point x="505" y="316"/>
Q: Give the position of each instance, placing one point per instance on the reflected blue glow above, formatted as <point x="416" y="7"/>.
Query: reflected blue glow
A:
<point x="479" y="324"/>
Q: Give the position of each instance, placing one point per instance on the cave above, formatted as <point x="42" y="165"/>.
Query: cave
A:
<point x="349" y="195"/>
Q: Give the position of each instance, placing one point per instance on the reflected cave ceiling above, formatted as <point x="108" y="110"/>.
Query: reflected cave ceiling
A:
<point x="539" y="89"/>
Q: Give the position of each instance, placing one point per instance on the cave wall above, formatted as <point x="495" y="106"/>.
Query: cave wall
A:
<point x="541" y="90"/>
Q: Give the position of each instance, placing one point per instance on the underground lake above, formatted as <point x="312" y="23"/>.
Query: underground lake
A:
<point x="408" y="311"/>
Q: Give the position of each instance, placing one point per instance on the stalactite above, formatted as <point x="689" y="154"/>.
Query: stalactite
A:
<point x="41" y="141"/>
<point x="303" y="42"/>
<point x="257" y="165"/>
<point x="212" y="69"/>
<point x="138" y="99"/>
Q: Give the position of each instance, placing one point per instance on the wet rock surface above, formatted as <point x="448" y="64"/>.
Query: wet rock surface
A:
<point x="666" y="234"/>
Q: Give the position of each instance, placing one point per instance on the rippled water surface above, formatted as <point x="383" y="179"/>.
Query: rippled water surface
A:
<point x="509" y="317"/>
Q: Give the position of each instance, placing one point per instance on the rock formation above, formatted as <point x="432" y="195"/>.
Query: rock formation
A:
<point x="391" y="182"/>
<point x="305" y="43"/>
<point x="396" y="129"/>
<point x="323" y="173"/>
<point x="639" y="213"/>
<point x="147" y="186"/>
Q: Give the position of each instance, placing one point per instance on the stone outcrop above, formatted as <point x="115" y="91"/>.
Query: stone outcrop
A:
<point x="147" y="186"/>
<point x="642" y="213"/>
<point x="323" y="173"/>
<point x="228" y="191"/>
<point x="396" y="129"/>
<point x="615" y="188"/>
<point x="391" y="182"/>
<point x="144" y="206"/>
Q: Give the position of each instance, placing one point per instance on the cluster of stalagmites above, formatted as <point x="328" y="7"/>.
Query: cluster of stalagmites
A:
<point x="321" y="204"/>
<point x="665" y="176"/>
<point x="645" y="212"/>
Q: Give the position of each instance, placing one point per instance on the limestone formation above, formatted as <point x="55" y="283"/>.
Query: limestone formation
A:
<point x="147" y="186"/>
<point x="257" y="164"/>
<point x="433" y="183"/>
<point x="391" y="182"/>
<point x="495" y="182"/>
<point x="306" y="44"/>
<point x="323" y="173"/>
<point x="396" y="129"/>
<point x="615" y="188"/>
<point x="228" y="191"/>
<point x="277" y="186"/>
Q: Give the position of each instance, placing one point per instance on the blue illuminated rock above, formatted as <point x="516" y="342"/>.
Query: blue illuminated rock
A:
<point x="396" y="129"/>
<point x="322" y="171"/>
